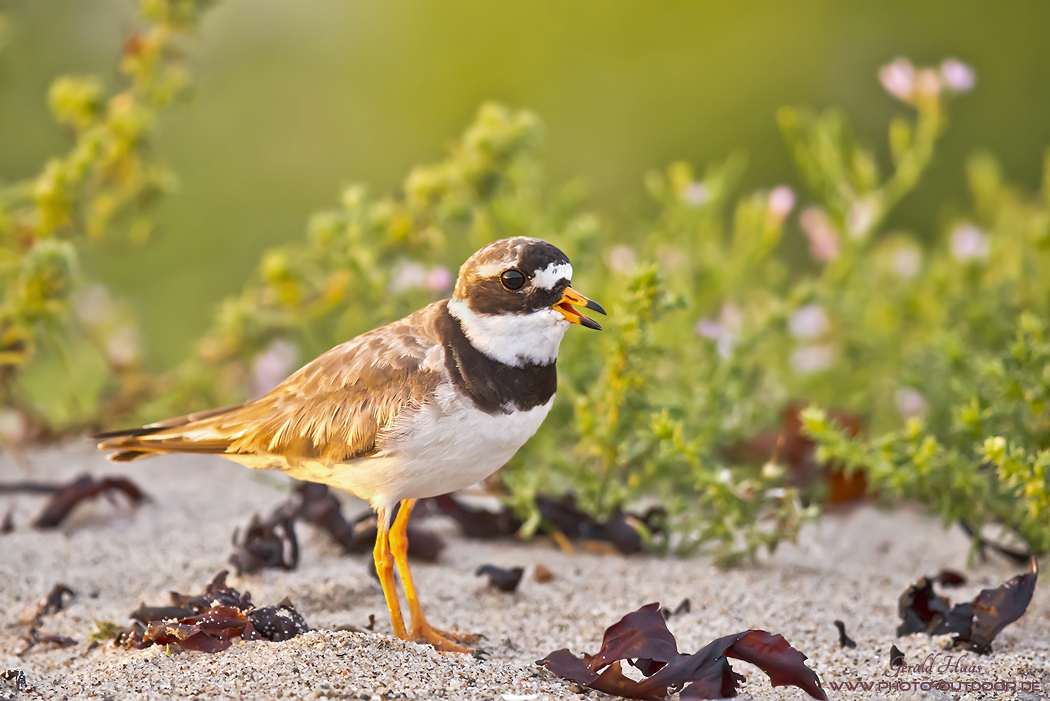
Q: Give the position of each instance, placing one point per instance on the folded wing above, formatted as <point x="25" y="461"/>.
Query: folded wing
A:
<point x="332" y="410"/>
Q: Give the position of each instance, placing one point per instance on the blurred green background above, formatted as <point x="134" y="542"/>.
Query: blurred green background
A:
<point x="295" y="98"/>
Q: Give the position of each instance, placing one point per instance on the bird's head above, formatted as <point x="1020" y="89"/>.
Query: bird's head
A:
<point x="514" y="301"/>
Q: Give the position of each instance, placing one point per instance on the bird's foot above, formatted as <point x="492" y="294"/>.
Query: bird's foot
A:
<point x="443" y="640"/>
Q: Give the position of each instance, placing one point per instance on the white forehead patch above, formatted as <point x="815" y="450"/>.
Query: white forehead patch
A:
<point x="548" y="277"/>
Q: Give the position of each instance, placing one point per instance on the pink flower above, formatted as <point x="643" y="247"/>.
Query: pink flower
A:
<point x="621" y="259"/>
<point x="781" y="201"/>
<point x="910" y="402"/>
<point x="807" y="360"/>
<point x="696" y="194"/>
<point x="822" y="235"/>
<point x="439" y="279"/>
<point x="968" y="243"/>
<point x="898" y="79"/>
<point x="957" y="76"/>
<point x="809" y="321"/>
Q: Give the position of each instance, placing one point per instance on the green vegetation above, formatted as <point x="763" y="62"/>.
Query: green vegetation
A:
<point x="936" y="341"/>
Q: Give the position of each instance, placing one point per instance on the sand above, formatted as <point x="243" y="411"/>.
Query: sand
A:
<point x="852" y="566"/>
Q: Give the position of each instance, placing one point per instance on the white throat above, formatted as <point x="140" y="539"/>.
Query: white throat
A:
<point x="513" y="339"/>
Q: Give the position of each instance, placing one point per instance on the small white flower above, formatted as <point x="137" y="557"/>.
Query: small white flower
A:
<point x="408" y="275"/>
<point x="92" y="304"/>
<point x="669" y="257"/>
<point x="822" y="235"/>
<point x="898" y="79"/>
<point x="910" y="402"/>
<point x="272" y="366"/>
<point x="957" y="76"/>
<point x="968" y="243"/>
<point x="807" y="360"/>
<point x="13" y="426"/>
<point x="724" y="331"/>
<point x="809" y="321"/>
<point x="696" y="194"/>
<point x="906" y="262"/>
<point x="781" y="201"/>
<point x="123" y="346"/>
<point x="621" y="259"/>
<point x="861" y="217"/>
<point x="439" y="279"/>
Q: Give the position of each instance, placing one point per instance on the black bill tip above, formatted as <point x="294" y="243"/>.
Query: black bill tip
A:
<point x="594" y="306"/>
<point x="590" y="323"/>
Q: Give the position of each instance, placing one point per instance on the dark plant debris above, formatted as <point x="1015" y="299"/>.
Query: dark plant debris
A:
<point x="54" y="602"/>
<point x="792" y="448"/>
<point x="8" y="524"/>
<point x="561" y="518"/>
<point x="685" y="606"/>
<point x="642" y="638"/>
<point x="500" y="578"/>
<point x="1017" y="556"/>
<point x="896" y="657"/>
<point x="951" y="578"/>
<point x="975" y="623"/>
<point x="17" y="679"/>
<point x="479" y="524"/>
<point x="272" y="543"/>
<point x="215" y="616"/>
<point x="65" y="497"/>
<point x="542" y="574"/>
<point x="33" y="638"/>
<point x="844" y="640"/>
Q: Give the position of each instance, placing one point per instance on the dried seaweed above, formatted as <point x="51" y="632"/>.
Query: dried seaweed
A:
<point x="1014" y="555"/>
<point x="500" y="578"/>
<point x="790" y="446"/>
<point x="896" y="657"/>
<point x="642" y="638"/>
<point x="8" y="524"/>
<point x="479" y="524"/>
<point x="683" y="607"/>
<point x="975" y="623"/>
<point x="65" y="498"/>
<point x="209" y="621"/>
<point x="33" y="639"/>
<point x="17" y="678"/>
<point x="269" y="543"/>
<point x="559" y="517"/>
<point x="316" y="505"/>
<point x="844" y="640"/>
<point x="54" y="602"/>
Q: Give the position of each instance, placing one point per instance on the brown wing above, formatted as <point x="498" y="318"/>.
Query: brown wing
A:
<point x="331" y="410"/>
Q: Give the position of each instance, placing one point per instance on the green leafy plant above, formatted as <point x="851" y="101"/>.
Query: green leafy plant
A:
<point x="935" y="341"/>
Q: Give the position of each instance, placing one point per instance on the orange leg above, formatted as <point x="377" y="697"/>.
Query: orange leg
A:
<point x="385" y="569"/>
<point x="419" y="629"/>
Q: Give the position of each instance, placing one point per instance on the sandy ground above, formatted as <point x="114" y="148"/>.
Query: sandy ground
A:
<point x="851" y="567"/>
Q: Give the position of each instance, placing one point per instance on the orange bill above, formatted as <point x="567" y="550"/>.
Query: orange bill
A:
<point x="571" y="299"/>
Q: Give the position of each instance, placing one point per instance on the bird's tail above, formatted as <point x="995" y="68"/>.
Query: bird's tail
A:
<point x="193" y="433"/>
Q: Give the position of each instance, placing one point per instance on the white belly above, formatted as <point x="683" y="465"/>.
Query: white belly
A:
<point x="447" y="445"/>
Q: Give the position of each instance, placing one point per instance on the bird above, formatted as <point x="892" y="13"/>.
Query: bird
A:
<point x="426" y="405"/>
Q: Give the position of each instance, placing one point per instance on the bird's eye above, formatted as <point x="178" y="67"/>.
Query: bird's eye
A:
<point x="512" y="279"/>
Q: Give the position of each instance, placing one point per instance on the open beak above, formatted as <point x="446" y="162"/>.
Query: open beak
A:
<point x="571" y="297"/>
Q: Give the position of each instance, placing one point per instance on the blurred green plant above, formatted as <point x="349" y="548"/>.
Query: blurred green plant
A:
<point x="99" y="191"/>
<point x="711" y="333"/>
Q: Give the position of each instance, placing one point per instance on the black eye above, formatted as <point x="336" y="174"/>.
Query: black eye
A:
<point x="512" y="279"/>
